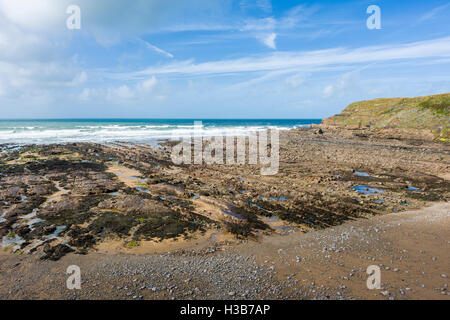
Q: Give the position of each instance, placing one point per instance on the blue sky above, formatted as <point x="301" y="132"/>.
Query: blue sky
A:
<point x="216" y="59"/>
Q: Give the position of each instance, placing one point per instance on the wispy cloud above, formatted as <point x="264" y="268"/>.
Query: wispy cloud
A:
<point x="432" y="13"/>
<point x="263" y="5"/>
<point x="263" y="24"/>
<point x="296" y="15"/>
<point x="305" y="60"/>
<point x="156" y="49"/>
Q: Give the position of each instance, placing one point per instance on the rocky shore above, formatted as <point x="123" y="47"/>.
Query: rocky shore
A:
<point x="125" y="214"/>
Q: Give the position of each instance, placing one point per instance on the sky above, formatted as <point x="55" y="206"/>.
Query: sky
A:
<point x="216" y="59"/>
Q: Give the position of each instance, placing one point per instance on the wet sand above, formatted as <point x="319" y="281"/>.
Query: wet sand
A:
<point x="410" y="247"/>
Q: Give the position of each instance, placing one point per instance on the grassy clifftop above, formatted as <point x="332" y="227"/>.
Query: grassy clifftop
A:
<point x="431" y="113"/>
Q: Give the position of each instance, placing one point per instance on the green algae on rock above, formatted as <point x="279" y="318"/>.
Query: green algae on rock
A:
<point x="428" y="113"/>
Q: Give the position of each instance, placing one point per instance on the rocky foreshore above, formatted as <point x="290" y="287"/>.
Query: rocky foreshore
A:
<point x="115" y="206"/>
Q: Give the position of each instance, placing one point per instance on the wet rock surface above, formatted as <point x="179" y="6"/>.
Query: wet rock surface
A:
<point x="56" y="252"/>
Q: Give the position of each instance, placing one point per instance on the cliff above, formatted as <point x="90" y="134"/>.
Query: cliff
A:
<point x="429" y="113"/>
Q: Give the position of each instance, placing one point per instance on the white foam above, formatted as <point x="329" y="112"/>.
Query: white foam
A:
<point x="117" y="132"/>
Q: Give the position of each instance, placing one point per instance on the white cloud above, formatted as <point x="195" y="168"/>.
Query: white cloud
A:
<point x="269" y="40"/>
<point x="110" y="23"/>
<point x="267" y="77"/>
<point x="136" y="91"/>
<point x="345" y="84"/>
<point x="265" y="24"/>
<point x="85" y="94"/>
<point x="294" y="81"/>
<point x="80" y="78"/>
<point x="122" y="92"/>
<point x="328" y="91"/>
<point x="22" y="79"/>
<point x="263" y="5"/>
<point x="149" y="84"/>
<point x="304" y="60"/>
<point x="262" y="29"/>
<point x="125" y="20"/>
<point x="156" y="49"/>
<point x="19" y="45"/>
<point x="34" y="14"/>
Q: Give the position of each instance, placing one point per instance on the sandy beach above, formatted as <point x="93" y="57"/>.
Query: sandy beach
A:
<point x="140" y="227"/>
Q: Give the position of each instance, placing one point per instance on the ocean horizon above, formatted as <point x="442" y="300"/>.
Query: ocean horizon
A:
<point x="47" y="131"/>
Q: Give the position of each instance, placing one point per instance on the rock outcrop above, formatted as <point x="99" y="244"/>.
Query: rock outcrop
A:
<point x="429" y="114"/>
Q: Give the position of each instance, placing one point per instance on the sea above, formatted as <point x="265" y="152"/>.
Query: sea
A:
<point x="143" y="131"/>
